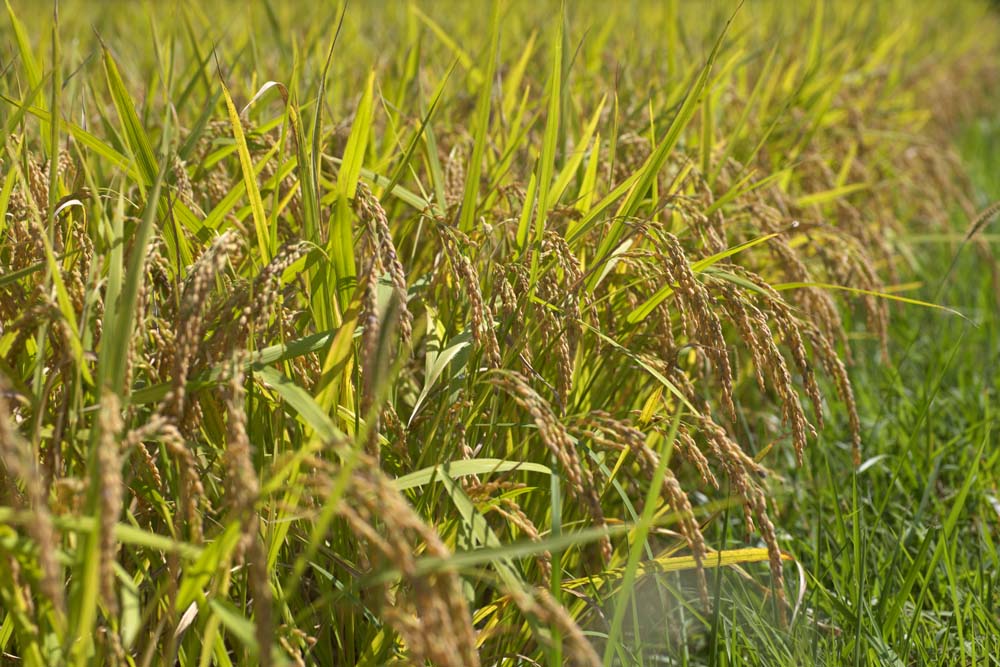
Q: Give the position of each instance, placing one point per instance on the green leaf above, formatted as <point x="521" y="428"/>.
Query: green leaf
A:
<point x="547" y="158"/>
<point x="638" y="539"/>
<point x="238" y="625"/>
<point x="210" y="562"/>
<point x="480" y="126"/>
<point x="249" y="180"/>
<point x="524" y="222"/>
<point x="142" y="153"/>
<point x="299" y="399"/>
<point x="830" y="195"/>
<point x="66" y="310"/>
<point x="31" y="67"/>
<point x="576" y="158"/>
<point x="135" y="135"/>
<point x="357" y="143"/>
<point x="662" y="379"/>
<point x="464" y="468"/>
<point x="436" y="362"/>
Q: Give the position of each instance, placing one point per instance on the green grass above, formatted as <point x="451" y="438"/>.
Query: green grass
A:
<point x="394" y="334"/>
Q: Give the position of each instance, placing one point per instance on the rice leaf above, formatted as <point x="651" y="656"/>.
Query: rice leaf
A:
<point x="480" y="125"/>
<point x="249" y="180"/>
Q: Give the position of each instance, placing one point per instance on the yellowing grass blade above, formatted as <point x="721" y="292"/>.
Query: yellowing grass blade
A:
<point x="250" y="180"/>
<point x="716" y="559"/>
<point x="467" y="467"/>
<point x="882" y="295"/>
<point x="830" y="195"/>
<point x="576" y="158"/>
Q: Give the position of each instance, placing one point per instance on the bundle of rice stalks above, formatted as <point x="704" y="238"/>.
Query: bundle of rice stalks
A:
<point x="366" y="370"/>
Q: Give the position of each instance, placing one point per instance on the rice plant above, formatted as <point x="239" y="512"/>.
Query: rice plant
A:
<point x="411" y="333"/>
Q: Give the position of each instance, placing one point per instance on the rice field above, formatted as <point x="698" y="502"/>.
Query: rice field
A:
<point x="501" y="333"/>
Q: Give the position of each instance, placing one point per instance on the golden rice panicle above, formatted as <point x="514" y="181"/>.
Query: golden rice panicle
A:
<point x="192" y="491"/>
<point x="540" y="604"/>
<point x="243" y="488"/>
<point x="109" y="466"/>
<point x="182" y="181"/>
<point x="792" y="413"/>
<point x="823" y="349"/>
<point x="510" y="281"/>
<point x="709" y="228"/>
<point x="18" y="457"/>
<point x="152" y="350"/>
<point x="561" y="326"/>
<point x="371" y="211"/>
<point x="135" y="442"/>
<point x="556" y="339"/>
<point x="191" y="321"/>
<point x="759" y="503"/>
<point x="256" y="302"/>
<point x="510" y="305"/>
<point x="369" y="353"/>
<point x="38" y="184"/>
<point x="707" y="329"/>
<point x="835" y="369"/>
<point x="428" y="612"/>
<point x="555" y="437"/>
<point x="744" y="473"/>
<point x="241" y="485"/>
<point x="513" y="512"/>
<point x="507" y="508"/>
<point x="112" y="644"/>
<point x="791" y="329"/>
<point x="467" y="277"/>
<point x="848" y="264"/>
<point x="982" y="219"/>
<point x="454" y="176"/>
<point x="818" y="305"/>
<point x="747" y="327"/>
<point x="688" y="449"/>
<point x="555" y="246"/>
<point x="267" y="285"/>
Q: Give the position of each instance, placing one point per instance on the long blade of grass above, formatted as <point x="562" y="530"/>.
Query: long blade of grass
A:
<point x="547" y="157"/>
<point x="480" y="126"/>
<point x="863" y="292"/>
<point x="249" y="179"/>
<point x="464" y="468"/>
